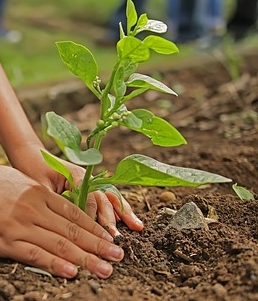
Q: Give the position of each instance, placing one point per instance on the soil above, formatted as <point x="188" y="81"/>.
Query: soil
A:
<point x="219" y="119"/>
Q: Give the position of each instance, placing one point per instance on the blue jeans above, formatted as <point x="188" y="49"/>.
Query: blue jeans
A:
<point x="120" y="16"/>
<point x="211" y="14"/>
<point x="193" y="19"/>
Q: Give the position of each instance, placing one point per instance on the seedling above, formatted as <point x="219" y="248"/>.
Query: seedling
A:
<point x="123" y="85"/>
<point x="243" y="193"/>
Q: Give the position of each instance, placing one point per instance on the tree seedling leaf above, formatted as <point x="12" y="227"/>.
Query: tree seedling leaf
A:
<point x="154" y="26"/>
<point x="160" y="45"/>
<point x="243" y="193"/>
<point x="133" y="49"/>
<point x="138" y="80"/>
<point x="63" y="132"/>
<point x="160" y="131"/>
<point x="79" y="60"/>
<point x="131" y="15"/>
<point x="90" y="156"/>
<point x="142" y="170"/>
<point x="58" y="166"/>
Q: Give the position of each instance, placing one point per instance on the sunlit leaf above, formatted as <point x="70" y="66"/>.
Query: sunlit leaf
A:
<point x="138" y="80"/>
<point x="243" y="193"/>
<point x="146" y="171"/>
<point x="142" y="21"/>
<point x="131" y="15"/>
<point x="79" y="60"/>
<point x="160" y="131"/>
<point x="133" y="49"/>
<point x="119" y="84"/>
<point x="160" y="45"/>
<point x="154" y="26"/>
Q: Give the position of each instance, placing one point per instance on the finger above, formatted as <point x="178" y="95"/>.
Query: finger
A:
<point x="38" y="257"/>
<point x="106" y="216"/>
<point x="125" y="212"/>
<point x="63" y="234"/>
<point x="67" y="210"/>
<point x="91" y="206"/>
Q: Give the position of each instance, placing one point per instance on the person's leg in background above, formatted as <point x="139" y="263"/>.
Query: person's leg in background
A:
<point x="174" y="10"/>
<point x="210" y="14"/>
<point x="182" y="25"/>
<point x="215" y="22"/>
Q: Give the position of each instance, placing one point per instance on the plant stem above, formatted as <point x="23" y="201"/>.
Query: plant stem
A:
<point x="84" y="189"/>
<point x="108" y="88"/>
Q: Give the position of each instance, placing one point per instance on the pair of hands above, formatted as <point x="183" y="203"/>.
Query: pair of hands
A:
<point x="41" y="228"/>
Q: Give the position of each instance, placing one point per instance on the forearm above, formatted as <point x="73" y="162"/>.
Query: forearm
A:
<point x="16" y="132"/>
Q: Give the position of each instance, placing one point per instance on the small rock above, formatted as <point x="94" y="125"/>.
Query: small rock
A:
<point x="189" y="216"/>
<point x="188" y="271"/>
<point x="220" y="291"/>
<point x="167" y="196"/>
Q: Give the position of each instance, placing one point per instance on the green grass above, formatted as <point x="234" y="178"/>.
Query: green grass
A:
<point x="35" y="59"/>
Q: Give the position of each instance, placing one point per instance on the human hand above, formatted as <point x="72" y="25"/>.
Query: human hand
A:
<point x="106" y="208"/>
<point x="103" y="207"/>
<point x="40" y="228"/>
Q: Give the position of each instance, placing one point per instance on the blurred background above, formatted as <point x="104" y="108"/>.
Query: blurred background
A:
<point x="34" y="58"/>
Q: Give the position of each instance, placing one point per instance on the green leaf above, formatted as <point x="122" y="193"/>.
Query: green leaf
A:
<point x="160" y="45"/>
<point x="146" y="171"/>
<point x="142" y="21"/>
<point x="129" y="67"/>
<point x="119" y="84"/>
<point x="133" y="49"/>
<point x="160" y="131"/>
<point x="131" y="15"/>
<point x="63" y="132"/>
<point x="58" y="166"/>
<point x="243" y="193"/>
<point x="79" y="60"/>
<point x="89" y="157"/>
<point x="154" y="26"/>
<point x="137" y="80"/>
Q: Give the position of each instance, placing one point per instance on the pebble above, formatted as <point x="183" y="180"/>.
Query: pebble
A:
<point x="189" y="216"/>
<point x="168" y="197"/>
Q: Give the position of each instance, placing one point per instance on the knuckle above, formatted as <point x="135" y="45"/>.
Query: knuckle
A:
<point x="34" y="254"/>
<point x="74" y="232"/>
<point x="75" y="213"/>
<point x="63" y="246"/>
<point x="101" y="246"/>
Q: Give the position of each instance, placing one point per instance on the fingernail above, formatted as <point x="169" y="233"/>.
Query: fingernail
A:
<point x="117" y="233"/>
<point x="137" y="220"/>
<point x="107" y="237"/>
<point x="116" y="252"/>
<point x="104" y="270"/>
<point x="70" y="270"/>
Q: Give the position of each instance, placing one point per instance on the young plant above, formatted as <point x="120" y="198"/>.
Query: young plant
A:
<point x="243" y="193"/>
<point x="123" y="85"/>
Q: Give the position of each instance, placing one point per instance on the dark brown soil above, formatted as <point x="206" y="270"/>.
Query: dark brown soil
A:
<point x="219" y="119"/>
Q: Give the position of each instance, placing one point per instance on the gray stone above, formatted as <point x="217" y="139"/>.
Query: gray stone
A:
<point x="189" y="216"/>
